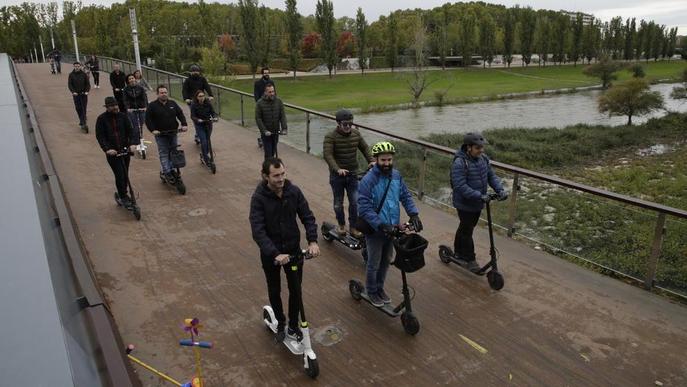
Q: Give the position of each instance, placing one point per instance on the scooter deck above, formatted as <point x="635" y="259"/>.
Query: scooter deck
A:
<point x="347" y="240"/>
<point x="389" y="309"/>
<point x="463" y="264"/>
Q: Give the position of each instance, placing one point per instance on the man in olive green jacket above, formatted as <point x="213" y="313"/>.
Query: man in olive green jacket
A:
<point x="271" y="120"/>
<point x="340" y="151"/>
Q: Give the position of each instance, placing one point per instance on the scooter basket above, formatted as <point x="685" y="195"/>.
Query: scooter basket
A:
<point x="410" y="250"/>
<point x="178" y="158"/>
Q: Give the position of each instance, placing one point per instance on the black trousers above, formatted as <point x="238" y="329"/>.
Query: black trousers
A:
<point x="120" y="173"/>
<point x="463" y="244"/>
<point x="119" y="96"/>
<point x="293" y="280"/>
<point x="96" y="78"/>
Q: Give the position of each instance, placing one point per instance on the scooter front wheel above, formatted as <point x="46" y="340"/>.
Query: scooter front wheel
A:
<point x="325" y="233"/>
<point x="143" y="155"/>
<point x="181" y="187"/>
<point x="410" y="323"/>
<point x="495" y="280"/>
<point x="137" y="212"/>
<point x="445" y="254"/>
<point x="356" y="289"/>
<point x="313" y="369"/>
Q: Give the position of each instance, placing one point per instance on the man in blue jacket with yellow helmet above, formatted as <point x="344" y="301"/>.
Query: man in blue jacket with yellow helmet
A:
<point x="471" y="175"/>
<point x="380" y="194"/>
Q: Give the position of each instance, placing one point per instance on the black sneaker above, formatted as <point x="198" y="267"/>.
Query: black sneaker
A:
<point x="126" y="201"/>
<point x="375" y="300"/>
<point x="280" y="335"/>
<point x="385" y="297"/>
<point x="170" y="178"/>
<point x="294" y="334"/>
<point x="473" y="266"/>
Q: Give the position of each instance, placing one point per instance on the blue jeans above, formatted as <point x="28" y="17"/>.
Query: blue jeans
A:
<point x="164" y="145"/>
<point x="80" y="104"/>
<point x="137" y="118"/>
<point x="204" y="131"/>
<point x="269" y="145"/>
<point x="379" y="251"/>
<point x="349" y="183"/>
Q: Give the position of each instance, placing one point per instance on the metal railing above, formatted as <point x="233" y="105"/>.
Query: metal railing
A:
<point x="427" y="150"/>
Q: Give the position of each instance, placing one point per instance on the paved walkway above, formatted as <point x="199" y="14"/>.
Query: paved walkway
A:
<point x="554" y="324"/>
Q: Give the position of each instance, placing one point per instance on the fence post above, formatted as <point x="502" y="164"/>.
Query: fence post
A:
<point x="243" y="123"/>
<point x="512" y="205"/>
<point x="307" y="132"/>
<point x="219" y="102"/>
<point x="423" y="169"/>
<point x="652" y="264"/>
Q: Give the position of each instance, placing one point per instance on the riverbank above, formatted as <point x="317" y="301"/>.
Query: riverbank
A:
<point x="384" y="91"/>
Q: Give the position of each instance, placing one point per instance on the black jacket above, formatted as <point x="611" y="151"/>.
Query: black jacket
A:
<point x="93" y="65"/>
<point x="193" y="84"/>
<point x="118" y="80"/>
<point x="114" y="131"/>
<point x="202" y="111"/>
<point x="164" y="117"/>
<point x="270" y="116"/>
<point x="259" y="87"/>
<point x="78" y="82"/>
<point x="135" y="97"/>
<point x="273" y="221"/>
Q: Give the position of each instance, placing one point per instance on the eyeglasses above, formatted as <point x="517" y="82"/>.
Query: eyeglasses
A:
<point x="201" y="95"/>
<point x="346" y="124"/>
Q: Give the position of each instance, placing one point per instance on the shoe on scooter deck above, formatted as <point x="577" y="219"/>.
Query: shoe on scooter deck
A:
<point x="329" y="233"/>
<point x="411" y="325"/>
<point x="494" y="278"/>
<point x="310" y="365"/>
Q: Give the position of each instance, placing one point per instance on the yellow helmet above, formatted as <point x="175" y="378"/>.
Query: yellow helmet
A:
<point x="383" y="147"/>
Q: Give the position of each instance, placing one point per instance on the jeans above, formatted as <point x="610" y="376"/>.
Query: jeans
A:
<point x="269" y="145"/>
<point x="204" y="131"/>
<point x="80" y="104"/>
<point x="165" y="144"/>
<point x="293" y="280"/>
<point x="379" y="251"/>
<point x="120" y="173"/>
<point x="137" y="118"/>
<point x="349" y="183"/>
<point x="463" y="244"/>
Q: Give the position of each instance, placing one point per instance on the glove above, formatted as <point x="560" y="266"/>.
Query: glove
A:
<point x="503" y="195"/>
<point x="387" y="229"/>
<point x="485" y="198"/>
<point x="416" y="223"/>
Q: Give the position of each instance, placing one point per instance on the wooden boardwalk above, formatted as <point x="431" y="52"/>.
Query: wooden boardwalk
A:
<point x="554" y="324"/>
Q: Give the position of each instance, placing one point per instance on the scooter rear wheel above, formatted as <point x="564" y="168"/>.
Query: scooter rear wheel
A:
<point x="213" y="168"/>
<point x="137" y="213"/>
<point x="445" y="254"/>
<point x="143" y="155"/>
<point x="266" y="316"/>
<point x="410" y="323"/>
<point x="495" y="280"/>
<point x="313" y="369"/>
<point x="356" y="288"/>
<point x="181" y="187"/>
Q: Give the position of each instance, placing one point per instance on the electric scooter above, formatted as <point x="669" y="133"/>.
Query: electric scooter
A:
<point x="178" y="160"/>
<point x="132" y="205"/>
<point x="141" y="148"/>
<point x="409" y="258"/>
<point x="211" y="163"/>
<point x="494" y="278"/>
<point x="297" y="347"/>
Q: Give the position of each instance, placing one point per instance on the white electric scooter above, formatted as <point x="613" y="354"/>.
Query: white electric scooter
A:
<point x="304" y="346"/>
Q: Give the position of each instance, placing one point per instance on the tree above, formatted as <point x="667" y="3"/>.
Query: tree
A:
<point x="576" y="46"/>
<point x="590" y="40"/>
<point x="265" y="36"/>
<point x="392" y="42"/>
<point x="311" y="44"/>
<point x="630" y="98"/>
<point x="441" y="36"/>
<point x="294" y="27"/>
<point x="559" y="36"/>
<point x="361" y="27"/>
<point x="508" y="36"/>
<point x="418" y="80"/>
<point x="637" y="70"/>
<point x="630" y="37"/>
<point x="605" y="70"/>
<point x="344" y="45"/>
<point x="250" y="22"/>
<point x="680" y="92"/>
<point x="542" y="39"/>
<point x="487" y="39"/>
<point x="324" y="16"/>
<point x="212" y="60"/>
<point x="672" y="42"/>
<point x="467" y="25"/>
<point x="528" y="22"/>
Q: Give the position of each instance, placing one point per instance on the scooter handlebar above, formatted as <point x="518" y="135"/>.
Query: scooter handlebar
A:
<point x="191" y="343"/>
<point x="297" y="258"/>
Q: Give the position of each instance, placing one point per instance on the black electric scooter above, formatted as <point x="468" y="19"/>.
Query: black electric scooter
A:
<point x="132" y="205"/>
<point x="211" y="163"/>
<point x="405" y="264"/>
<point x="494" y="278"/>
<point x="178" y="159"/>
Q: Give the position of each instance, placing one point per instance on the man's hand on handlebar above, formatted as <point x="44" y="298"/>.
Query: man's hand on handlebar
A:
<point x="416" y="223"/>
<point x="342" y="172"/>
<point x="184" y="128"/>
<point x="156" y="132"/>
<point x="313" y="249"/>
<point x="502" y="195"/>
<point x="111" y="152"/>
<point x="282" y="259"/>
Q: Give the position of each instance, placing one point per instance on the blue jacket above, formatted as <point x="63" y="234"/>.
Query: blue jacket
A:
<point x="370" y="192"/>
<point x="470" y="178"/>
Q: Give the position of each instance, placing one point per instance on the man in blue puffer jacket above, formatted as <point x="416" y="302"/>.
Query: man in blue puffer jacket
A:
<point x="380" y="194"/>
<point x="471" y="175"/>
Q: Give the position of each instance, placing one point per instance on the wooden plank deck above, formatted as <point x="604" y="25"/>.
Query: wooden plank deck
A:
<point x="554" y="324"/>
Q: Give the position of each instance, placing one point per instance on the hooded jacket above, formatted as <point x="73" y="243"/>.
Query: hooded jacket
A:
<point x="114" y="131"/>
<point x="193" y="84"/>
<point x="470" y="178"/>
<point x="370" y="193"/>
<point x="273" y="221"/>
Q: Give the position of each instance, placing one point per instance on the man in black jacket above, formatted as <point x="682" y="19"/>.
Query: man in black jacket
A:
<point x="191" y="85"/>
<point x="115" y="136"/>
<point x="79" y="85"/>
<point x="161" y="119"/>
<point x="259" y="89"/>
<point x="274" y="207"/>
<point x="271" y="120"/>
<point x="118" y="82"/>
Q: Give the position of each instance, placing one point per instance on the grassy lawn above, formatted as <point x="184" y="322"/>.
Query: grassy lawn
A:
<point x="383" y="89"/>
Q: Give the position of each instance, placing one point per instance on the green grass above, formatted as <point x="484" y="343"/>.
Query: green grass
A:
<point x="376" y="90"/>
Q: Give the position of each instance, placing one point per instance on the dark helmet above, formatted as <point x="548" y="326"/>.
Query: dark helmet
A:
<point x="344" y="115"/>
<point x="474" y="139"/>
<point x="110" y="101"/>
<point x="194" y="67"/>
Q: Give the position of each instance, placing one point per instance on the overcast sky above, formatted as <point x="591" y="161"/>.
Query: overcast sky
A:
<point x="669" y="12"/>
